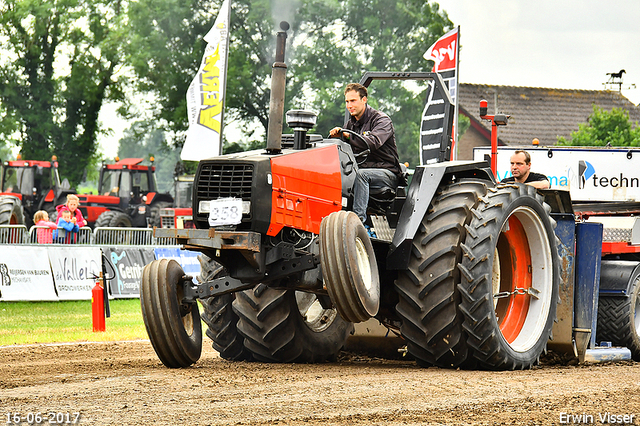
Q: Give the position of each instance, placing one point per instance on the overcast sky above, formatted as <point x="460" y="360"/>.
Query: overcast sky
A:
<point x="562" y="44"/>
<point x="548" y="43"/>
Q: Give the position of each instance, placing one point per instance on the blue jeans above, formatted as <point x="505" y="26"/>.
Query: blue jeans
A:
<point x="366" y="180"/>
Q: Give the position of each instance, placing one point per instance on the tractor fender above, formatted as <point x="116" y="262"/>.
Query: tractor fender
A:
<point x="617" y="277"/>
<point x="155" y="197"/>
<point x="425" y="182"/>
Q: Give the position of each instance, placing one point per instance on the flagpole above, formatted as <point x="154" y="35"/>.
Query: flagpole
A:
<point x="224" y="81"/>
<point x="455" y="118"/>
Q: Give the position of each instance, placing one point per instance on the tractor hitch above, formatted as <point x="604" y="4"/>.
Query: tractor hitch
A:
<point x="215" y="287"/>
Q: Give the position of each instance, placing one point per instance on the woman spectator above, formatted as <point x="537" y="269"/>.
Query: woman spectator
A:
<point x="72" y="206"/>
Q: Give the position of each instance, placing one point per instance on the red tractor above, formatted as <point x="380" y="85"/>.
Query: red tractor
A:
<point x="127" y="196"/>
<point x="287" y="269"/>
<point x="29" y="186"/>
<point x="471" y="273"/>
<point x="181" y="215"/>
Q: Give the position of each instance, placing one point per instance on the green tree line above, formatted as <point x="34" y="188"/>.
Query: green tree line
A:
<point x="605" y="128"/>
<point x="63" y="59"/>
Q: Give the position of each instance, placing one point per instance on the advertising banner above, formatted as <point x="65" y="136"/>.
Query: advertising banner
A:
<point x="25" y="274"/>
<point x="74" y="269"/>
<point x="128" y="264"/>
<point x="589" y="174"/>
<point x="187" y="259"/>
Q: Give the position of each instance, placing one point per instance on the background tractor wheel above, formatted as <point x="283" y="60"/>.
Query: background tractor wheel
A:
<point x="174" y="328"/>
<point x="219" y="316"/>
<point x="289" y="326"/>
<point x="619" y="320"/>
<point x="11" y="211"/>
<point x="349" y="266"/>
<point x="154" y="213"/>
<point x="429" y="296"/>
<point x="113" y="219"/>
<point x="510" y="278"/>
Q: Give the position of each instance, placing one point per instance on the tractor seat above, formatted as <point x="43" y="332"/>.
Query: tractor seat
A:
<point x="383" y="195"/>
<point x="382" y="198"/>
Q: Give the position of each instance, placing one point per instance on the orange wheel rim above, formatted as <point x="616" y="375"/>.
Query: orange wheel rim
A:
<point x="516" y="264"/>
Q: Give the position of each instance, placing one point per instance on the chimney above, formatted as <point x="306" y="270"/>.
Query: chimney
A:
<point x="276" y="104"/>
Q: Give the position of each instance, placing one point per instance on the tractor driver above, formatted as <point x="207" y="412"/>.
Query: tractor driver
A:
<point x="521" y="171"/>
<point x="381" y="168"/>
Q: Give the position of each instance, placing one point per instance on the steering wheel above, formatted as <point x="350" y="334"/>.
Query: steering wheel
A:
<point x="362" y="156"/>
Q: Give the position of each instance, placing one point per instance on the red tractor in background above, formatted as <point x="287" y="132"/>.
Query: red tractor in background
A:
<point x="181" y="215"/>
<point x="29" y="186"/>
<point x="127" y="196"/>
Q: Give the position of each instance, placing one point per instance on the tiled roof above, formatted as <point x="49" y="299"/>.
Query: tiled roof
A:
<point x="538" y="112"/>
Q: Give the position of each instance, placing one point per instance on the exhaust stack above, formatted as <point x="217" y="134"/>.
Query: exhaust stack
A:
<point x="276" y="103"/>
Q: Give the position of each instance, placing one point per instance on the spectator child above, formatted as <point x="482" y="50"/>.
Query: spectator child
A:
<point x="41" y="219"/>
<point x="72" y="206"/>
<point x="67" y="228"/>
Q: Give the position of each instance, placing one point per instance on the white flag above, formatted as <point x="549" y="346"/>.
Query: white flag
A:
<point x="205" y="97"/>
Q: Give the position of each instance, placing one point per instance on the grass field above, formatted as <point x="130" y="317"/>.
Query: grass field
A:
<point x="53" y="322"/>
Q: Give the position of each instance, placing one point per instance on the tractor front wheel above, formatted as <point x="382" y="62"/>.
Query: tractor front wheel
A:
<point x="349" y="266"/>
<point x="510" y="278"/>
<point x="173" y="326"/>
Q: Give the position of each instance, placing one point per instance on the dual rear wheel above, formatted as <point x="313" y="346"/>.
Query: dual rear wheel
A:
<point x="482" y="284"/>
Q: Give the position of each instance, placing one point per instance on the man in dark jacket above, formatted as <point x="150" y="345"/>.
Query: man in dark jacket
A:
<point x="521" y="171"/>
<point x="382" y="167"/>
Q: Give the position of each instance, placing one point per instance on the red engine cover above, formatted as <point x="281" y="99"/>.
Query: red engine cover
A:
<point x="307" y="186"/>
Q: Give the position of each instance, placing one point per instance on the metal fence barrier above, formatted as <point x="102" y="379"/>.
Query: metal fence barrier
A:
<point x="13" y="234"/>
<point x="18" y="234"/>
<point x="44" y="235"/>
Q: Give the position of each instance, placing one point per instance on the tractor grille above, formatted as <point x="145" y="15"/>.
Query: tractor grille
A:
<point x="167" y="221"/>
<point x="225" y="180"/>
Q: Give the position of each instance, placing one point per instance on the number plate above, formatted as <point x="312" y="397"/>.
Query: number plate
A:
<point x="225" y="211"/>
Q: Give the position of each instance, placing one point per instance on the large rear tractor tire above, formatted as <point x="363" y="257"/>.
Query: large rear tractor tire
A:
<point x="619" y="320"/>
<point x="173" y="327"/>
<point x="349" y="266"/>
<point x="289" y="326"/>
<point x="11" y="211"/>
<point x="219" y="316"/>
<point x="113" y="219"/>
<point x="428" y="289"/>
<point x="510" y="278"/>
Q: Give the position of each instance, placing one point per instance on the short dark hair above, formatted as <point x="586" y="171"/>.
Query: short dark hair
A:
<point x="527" y="156"/>
<point x="356" y="87"/>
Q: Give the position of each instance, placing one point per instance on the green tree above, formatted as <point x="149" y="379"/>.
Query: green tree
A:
<point x="605" y="128"/>
<point x="57" y="67"/>
<point x="141" y="140"/>
<point x="331" y="43"/>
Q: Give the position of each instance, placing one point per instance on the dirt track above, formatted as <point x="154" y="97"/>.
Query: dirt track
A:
<point x="125" y="383"/>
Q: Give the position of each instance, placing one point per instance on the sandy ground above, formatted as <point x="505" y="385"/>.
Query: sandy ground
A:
<point x="125" y="383"/>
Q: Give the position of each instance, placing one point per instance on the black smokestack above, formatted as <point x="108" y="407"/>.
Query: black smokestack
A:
<point x="276" y="105"/>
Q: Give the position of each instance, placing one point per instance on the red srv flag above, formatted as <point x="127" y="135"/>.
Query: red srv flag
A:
<point x="443" y="52"/>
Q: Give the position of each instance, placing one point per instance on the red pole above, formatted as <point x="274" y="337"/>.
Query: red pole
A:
<point x="496" y="120"/>
<point x="97" y="306"/>
<point x="494" y="148"/>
